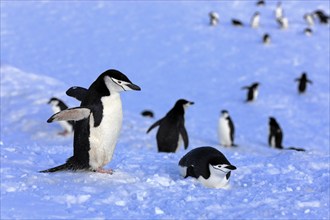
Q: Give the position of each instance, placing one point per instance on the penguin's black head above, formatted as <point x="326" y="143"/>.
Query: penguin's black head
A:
<point x="116" y="81"/>
<point x="304" y="75"/>
<point x="272" y="120"/>
<point x="184" y="103"/>
<point x="224" y="113"/>
<point x="54" y="101"/>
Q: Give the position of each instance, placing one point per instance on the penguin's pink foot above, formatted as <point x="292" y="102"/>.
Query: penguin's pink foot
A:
<point x="101" y="170"/>
<point x="64" y="133"/>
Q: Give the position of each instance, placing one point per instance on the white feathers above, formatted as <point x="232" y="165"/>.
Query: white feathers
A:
<point x="216" y="180"/>
<point x="103" y="139"/>
<point x="224" y="131"/>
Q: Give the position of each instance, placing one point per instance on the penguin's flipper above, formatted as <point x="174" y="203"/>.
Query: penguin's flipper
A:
<point x="157" y="123"/>
<point x="70" y="114"/>
<point x="184" y="136"/>
<point x="77" y="92"/>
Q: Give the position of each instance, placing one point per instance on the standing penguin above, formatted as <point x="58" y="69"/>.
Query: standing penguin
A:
<point x="303" y="80"/>
<point x="98" y="122"/>
<point x="283" y="22"/>
<point x="275" y="136"/>
<point x="266" y="39"/>
<point x="253" y="92"/>
<point x="226" y="129"/>
<point x="171" y="128"/>
<point x="309" y="19"/>
<point x="57" y="106"/>
<point x="214" y="18"/>
<point x="255" y="20"/>
<point x="207" y="165"/>
<point x="278" y="11"/>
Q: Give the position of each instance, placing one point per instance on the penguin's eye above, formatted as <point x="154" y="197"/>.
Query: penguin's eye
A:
<point x="119" y="82"/>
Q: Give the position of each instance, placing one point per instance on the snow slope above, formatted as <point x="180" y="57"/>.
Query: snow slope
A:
<point x="170" y="51"/>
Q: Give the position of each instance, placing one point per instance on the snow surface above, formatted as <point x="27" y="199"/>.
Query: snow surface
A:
<point x="171" y="52"/>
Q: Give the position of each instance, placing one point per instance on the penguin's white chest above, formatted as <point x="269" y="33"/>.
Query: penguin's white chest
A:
<point x="255" y="21"/>
<point x="217" y="179"/>
<point x="103" y="138"/>
<point x="255" y="94"/>
<point x="224" y="132"/>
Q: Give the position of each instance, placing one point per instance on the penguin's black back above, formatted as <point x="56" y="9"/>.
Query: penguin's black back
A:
<point x="197" y="161"/>
<point x="276" y="132"/>
<point x="169" y="129"/>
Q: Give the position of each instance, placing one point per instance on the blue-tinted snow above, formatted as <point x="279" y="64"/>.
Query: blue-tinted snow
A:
<point x="169" y="50"/>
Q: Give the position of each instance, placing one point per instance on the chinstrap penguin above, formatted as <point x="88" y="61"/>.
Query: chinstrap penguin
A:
<point x="309" y="19"/>
<point x="147" y="114"/>
<point x="278" y="11"/>
<point x="207" y="165"/>
<point x="322" y="16"/>
<point x="98" y="122"/>
<point x="57" y="106"/>
<point x="172" y="129"/>
<point x="275" y="136"/>
<point x="214" y="18"/>
<point x="283" y="22"/>
<point x="226" y="130"/>
<point x="237" y="23"/>
<point x="302" y="85"/>
<point x="255" y="20"/>
<point x="266" y="39"/>
<point x="253" y="92"/>
<point x="261" y="3"/>
<point x="308" y="31"/>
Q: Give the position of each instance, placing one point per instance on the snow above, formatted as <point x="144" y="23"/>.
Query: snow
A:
<point x="170" y="51"/>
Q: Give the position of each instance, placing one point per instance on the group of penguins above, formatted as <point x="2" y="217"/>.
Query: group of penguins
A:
<point x="282" y="21"/>
<point x="97" y="122"/>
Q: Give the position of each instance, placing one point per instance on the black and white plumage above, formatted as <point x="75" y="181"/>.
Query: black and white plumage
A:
<point x="308" y="31"/>
<point x="98" y="122"/>
<point x="172" y="128"/>
<point x="283" y="22"/>
<point x="278" y="11"/>
<point x="261" y="3"/>
<point x="309" y="19"/>
<point x="237" y="23"/>
<point x="266" y="39"/>
<point x="322" y="16"/>
<point x="207" y="165"/>
<point x="303" y="81"/>
<point x="226" y="129"/>
<point x="57" y="106"/>
<point x="214" y="18"/>
<point x="275" y="136"/>
<point x="147" y="114"/>
<point x="255" y="20"/>
<point x="253" y="92"/>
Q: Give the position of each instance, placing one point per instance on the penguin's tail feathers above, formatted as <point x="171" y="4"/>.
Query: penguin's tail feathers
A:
<point x="295" y="148"/>
<point x="62" y="167"/>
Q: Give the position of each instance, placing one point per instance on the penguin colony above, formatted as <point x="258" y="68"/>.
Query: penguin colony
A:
<point x="96" y="123"/>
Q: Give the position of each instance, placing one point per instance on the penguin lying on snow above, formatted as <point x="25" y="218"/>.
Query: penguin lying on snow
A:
<point x="253" y="92"/>
<point x="57" y="106"/>
<point x="98" y="122"/>
<point x="147" y="113"/>
<point x="226" y="130"/>
<point x="171" y="128"/>
<point x="275" y="136"/>
<point x="207" y="165"/>
<point x="237" y="23"/>
<point x="303" y="80"/>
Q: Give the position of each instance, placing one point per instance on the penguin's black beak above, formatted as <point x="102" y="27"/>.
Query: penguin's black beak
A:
<point x="191" y="103"/>
<point x="230" y="167"/>
<point x="134" y="87"/>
